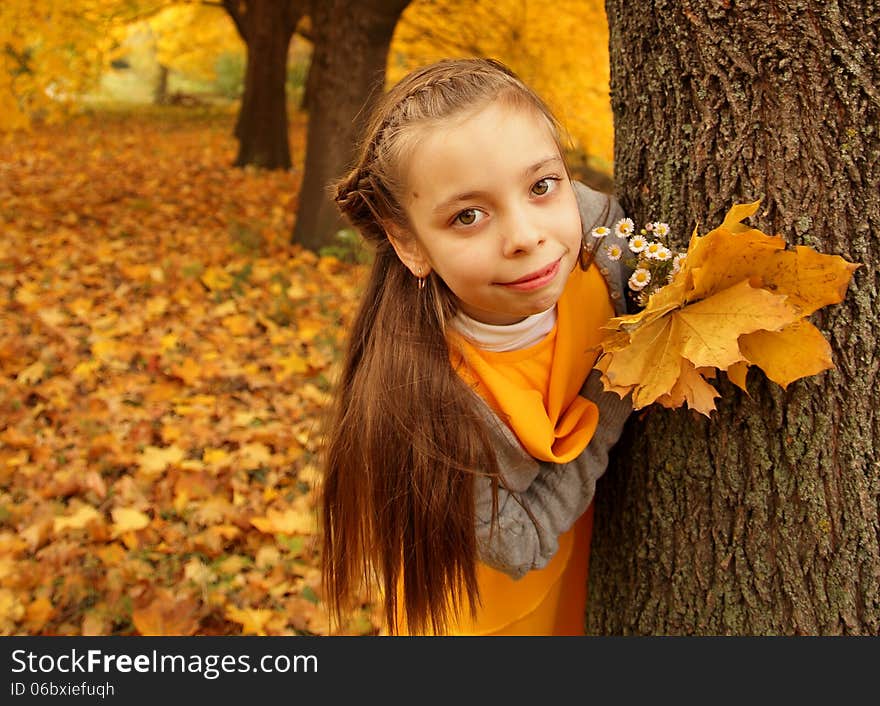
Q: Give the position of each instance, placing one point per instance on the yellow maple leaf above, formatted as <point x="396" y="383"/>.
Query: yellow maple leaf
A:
<point x="38" y="613"/>
<point x="26" y="297"/>
<point x="108" y="350"/>
<point x="737" y="374"/>
<point x="217" y="279"/>
<point x="787" y="355"/>
<point x="215" y="537"/>
<point x="252" y="620"/>
<point x="267" y="556"/>
<point x="651" y="362"/>
<point x="745" y="256"/>
<point x="86" y="369"/>
<point x="217" y="458"/>
<point x="666" y="299"/>
<point x="155" y="459"/>
<point x="238" y="324"/>
<point x="127" y="519"/>
<point x="602" y="365"/>
<point x="168" y="342"/>
<point x="156" y="306"/>
<point x="16" y="439"/>
<point x="11" y="611"/>
<point x="291" y="365"/>
<point x="53" y="316"/>
<point x="167" y="615"/>
<point x="78" y="519"/>
<point x="189" y="371"/>
<point x="227" y="308"/>
<point x="136" y="272"/>
<point x="254" y="455"/>
<point x="710" y="329"/>
<point x="37" y="533"/>
<point x="198" y="572"/>
<point x="32" y="374"/>
<point x="213" y="511"/>
<point x="691" y="387"/>
<point x="810" y="279"/>
<point x="740" y="299"/>
<point x="285" y="522"/>
<point x="111" y="554"/>
<point x="95" y="623"/>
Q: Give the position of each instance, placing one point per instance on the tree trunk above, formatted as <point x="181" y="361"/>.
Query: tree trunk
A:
<point x="266" y="26"/>
<point x="347" y="71"/>
<point x="762" y="520"/>
<point x="308" y="88"/>
<point x="160" y="90"/>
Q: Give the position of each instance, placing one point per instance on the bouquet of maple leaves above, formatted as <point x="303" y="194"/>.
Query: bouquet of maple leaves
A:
<point x="736" y="298"/>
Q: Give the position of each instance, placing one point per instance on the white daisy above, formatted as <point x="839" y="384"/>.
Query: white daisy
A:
<point x="652" y="249"/>
<point x="676" y="262"/>
<point x="640" y="279"/>
<point x="661" y="229"/>
<point x="614" y="252"/>
<point x="663" y="253"/>
<point x="600" y="231"/>
<point x="638" y="243"/>
<point x="624" y="227"/>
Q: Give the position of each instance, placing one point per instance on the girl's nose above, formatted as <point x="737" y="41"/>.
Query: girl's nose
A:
<point x="521" y="235"/>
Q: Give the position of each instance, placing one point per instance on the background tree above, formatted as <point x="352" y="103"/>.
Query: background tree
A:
<point x="764" y="519"/>
<point x="562" y="54"/>
<point x="266" y="27"/>
<point x="348" y="66"/>
<point x="188" y="39"/>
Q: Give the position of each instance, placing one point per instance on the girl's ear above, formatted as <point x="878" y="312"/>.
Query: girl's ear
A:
<point x="409" y="250"/>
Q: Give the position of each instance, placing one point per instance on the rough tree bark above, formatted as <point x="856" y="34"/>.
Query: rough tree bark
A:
<point x="348" y="69"/>
<point x="266" y="27"/>
<point x="764" y="519"/>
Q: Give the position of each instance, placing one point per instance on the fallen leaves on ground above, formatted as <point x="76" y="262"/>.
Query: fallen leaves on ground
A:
<point x="740" y="299"/>
<point x="165" y="362"/>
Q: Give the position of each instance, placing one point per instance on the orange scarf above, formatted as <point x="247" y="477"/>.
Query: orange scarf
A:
<point x="535" y="389"/>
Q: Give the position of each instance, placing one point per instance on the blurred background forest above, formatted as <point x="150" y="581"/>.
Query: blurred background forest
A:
<point x="95" y="55"/>
<point x="170" y="319"/>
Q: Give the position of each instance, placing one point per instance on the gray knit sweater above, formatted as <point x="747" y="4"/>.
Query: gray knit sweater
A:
<point x="556" y="494"/>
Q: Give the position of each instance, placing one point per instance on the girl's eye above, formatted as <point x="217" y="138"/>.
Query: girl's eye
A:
<point x="468" y="217"/>
<point x="543" y="186"/>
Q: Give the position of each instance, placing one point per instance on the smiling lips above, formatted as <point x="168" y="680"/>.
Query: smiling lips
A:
<point x="534" y="280"/>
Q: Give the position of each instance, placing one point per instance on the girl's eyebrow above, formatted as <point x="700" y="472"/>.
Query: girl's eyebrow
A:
<point x="537" y="166"/>
<point x="468" y="195"/>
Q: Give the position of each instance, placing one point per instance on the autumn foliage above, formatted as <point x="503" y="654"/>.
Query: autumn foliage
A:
<point x="165" y="359"/>
<point x="740" y="299"/>
<point x="165" y="354"/>
<point x="561" y="52"/>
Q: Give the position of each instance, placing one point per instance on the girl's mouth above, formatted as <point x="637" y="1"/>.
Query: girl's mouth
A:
<point x="535" y="280"/>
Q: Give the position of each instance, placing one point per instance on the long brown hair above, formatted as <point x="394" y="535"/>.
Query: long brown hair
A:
<point x="406" y="438"/>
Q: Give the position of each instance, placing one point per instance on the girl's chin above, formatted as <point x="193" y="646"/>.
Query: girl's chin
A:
<point x="512" y="315"/>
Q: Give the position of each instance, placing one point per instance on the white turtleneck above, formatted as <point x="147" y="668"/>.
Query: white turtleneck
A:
<point x="512" y="337"/>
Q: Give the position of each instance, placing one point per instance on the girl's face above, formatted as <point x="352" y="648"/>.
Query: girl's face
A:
<point x="494" y="213"/>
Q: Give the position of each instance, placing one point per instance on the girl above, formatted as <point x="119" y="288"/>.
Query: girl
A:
<point x="466" y="444"/>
